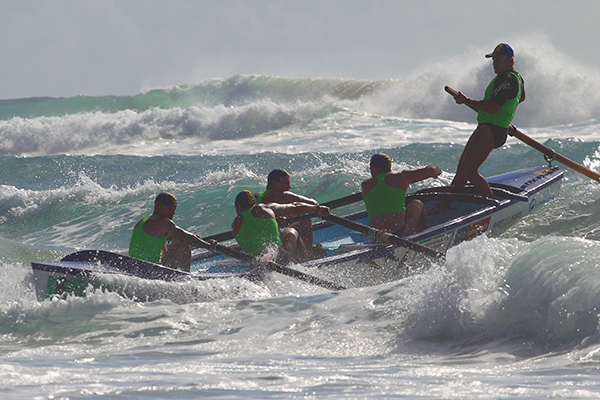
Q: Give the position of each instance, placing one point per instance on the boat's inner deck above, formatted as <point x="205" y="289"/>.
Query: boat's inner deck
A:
<point x="332" y="236"/>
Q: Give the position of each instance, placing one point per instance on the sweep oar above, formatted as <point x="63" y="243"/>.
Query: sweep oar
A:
<point x="342" y="201"/>
<point x="513" y="131"/>
<point x="382" y="236"/>
<point x="271" y="265"/>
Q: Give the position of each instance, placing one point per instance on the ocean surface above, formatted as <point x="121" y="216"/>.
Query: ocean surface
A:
<point x="512" y="316"/>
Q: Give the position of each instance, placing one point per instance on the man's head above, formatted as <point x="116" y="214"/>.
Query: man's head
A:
<point x="380" y="163"/>
<point x="279" y="180"/>
<point x="244" y="200"/>
<point x="503" y="57"/>
<point x="165" y="205"/>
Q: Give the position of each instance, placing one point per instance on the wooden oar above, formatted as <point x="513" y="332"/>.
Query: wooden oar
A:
<point x="513" y="131"/>
<point x="343" y="201"/>
<point x="383" y="237"/>
<point x="271" y="266"/>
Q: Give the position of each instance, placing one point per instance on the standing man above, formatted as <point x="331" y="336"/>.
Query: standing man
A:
<point x="385" y="193"/>
<point x="255" y="228"/>
<point x="278" y="191"/>
<point x="495" y="113"/>
<point x="149" y="239"/>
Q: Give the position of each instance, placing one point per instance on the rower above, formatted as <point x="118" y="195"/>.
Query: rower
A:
<point x="150" y="235"/>
<point x="494" y="116"/>
<point x="385" y="192"/>
<point x="256" y="229"/>
<point x="278" y="191"/>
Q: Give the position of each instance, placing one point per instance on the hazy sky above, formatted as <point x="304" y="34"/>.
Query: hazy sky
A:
<point x="103" y="47"/>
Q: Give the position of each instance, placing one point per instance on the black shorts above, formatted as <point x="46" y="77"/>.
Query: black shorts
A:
<point x="500" y="134"/>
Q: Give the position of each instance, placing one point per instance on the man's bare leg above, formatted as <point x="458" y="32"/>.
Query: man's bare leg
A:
<point x="477" y="150"/>
<point x="415" y="219"/>
<point x="292" y="243"/>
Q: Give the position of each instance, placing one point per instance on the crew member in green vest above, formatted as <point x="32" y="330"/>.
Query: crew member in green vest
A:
<point x="385" y="192"/>
<point x="257" y="232"/>
<point x="278" y="191"/>
<point x="495" y="114"/>
<point x="150" y="235"/>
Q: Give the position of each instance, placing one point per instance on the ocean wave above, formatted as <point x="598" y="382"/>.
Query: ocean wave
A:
<point x="97" y="131"/>
<point x="560" y="91"/>
<point x="552" y="292"/>
<point x="235" y="91"/>
<point x="547" y="293"/>
<point x="500" y="293"/>
<point x="245" y="107"/>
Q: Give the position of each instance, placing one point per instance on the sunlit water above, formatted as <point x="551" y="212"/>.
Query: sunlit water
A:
<point x="514" y="316"/>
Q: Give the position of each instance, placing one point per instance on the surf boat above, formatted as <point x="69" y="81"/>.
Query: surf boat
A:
<point x="353" y="259"/>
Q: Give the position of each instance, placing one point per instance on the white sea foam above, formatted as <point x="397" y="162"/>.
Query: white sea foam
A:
<point x="505" y="315"/>
<point x="244" y="114"/>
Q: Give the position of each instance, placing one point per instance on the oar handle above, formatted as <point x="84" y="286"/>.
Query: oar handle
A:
<point x="454" y="94"/>
<point x="381" y="236"/>
<point x="271" y="265"/>
<point x="513" y="131"/>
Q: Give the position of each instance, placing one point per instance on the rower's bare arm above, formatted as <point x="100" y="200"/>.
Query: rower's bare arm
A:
<point x="367" y="186"/>
<point x="289" y="197"/>
<point x="479" y="105"/>
<point x="416" y="175"/>
<point x="288" y="210"/>
<point x="188" y="238"/>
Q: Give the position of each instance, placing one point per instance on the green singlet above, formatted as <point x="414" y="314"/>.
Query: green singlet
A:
<point x="262" y="194"/>
<point x="384" y="199"/>
<point x="504" y="116"/>
<point x="145" y="246"/>
<point x="256" y="234"/>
